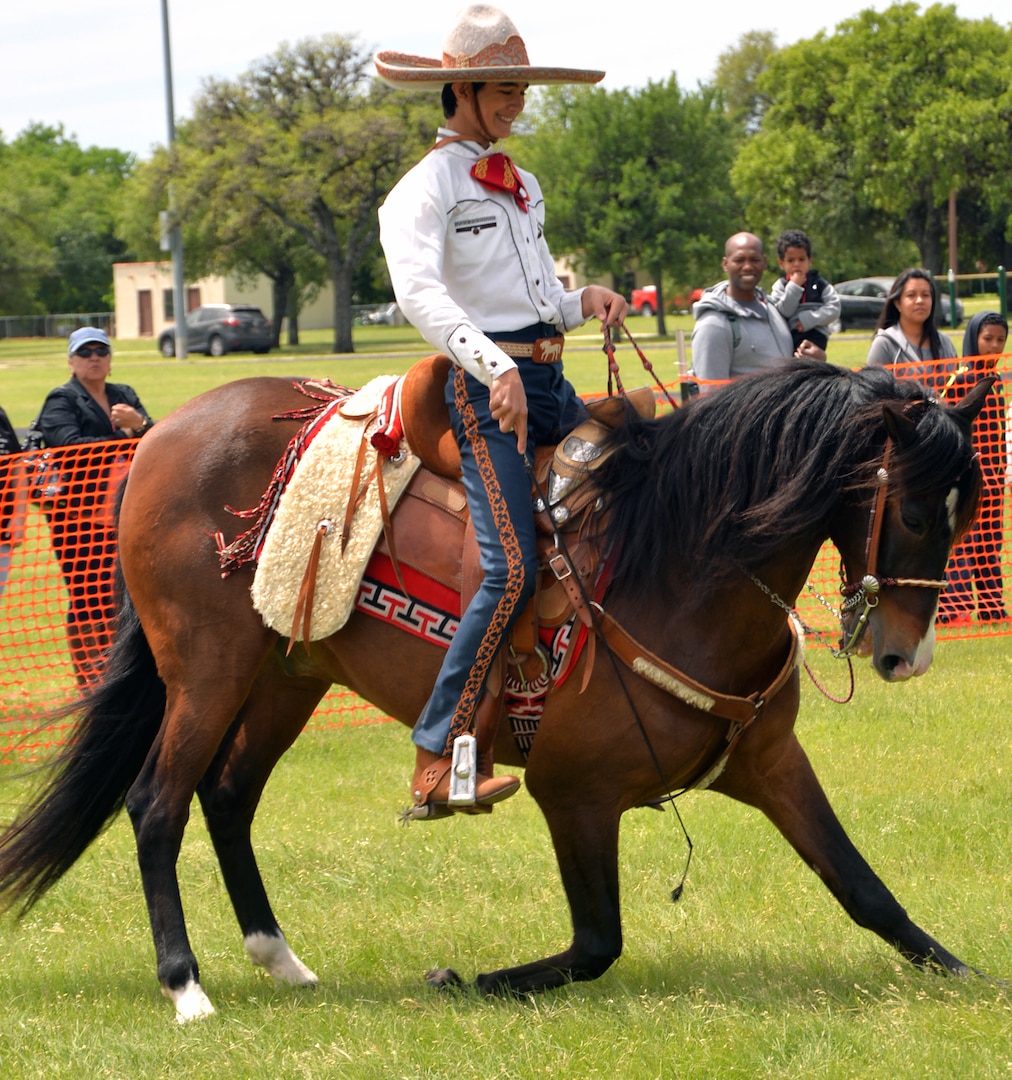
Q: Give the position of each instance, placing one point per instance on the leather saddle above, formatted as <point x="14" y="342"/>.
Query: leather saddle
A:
<point x="433" y="533"/>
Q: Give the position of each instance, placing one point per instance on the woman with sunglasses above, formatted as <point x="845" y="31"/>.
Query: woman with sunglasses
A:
<point x="89" y="408"/>
<point x="84" y="411"/>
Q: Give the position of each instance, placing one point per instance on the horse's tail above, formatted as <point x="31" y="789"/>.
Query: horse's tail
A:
<point x="88" y="780"/>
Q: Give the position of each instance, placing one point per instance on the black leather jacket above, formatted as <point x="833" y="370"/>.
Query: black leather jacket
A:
<point x="71" y="415"/>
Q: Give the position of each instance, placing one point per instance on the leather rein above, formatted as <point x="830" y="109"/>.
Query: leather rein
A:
<point x="740" y="712"/>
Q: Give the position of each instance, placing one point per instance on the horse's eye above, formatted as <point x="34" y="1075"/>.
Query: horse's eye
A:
<point x="913" y="522"/>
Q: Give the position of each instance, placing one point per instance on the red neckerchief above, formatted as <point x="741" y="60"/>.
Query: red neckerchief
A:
<point x="496" y="172"/>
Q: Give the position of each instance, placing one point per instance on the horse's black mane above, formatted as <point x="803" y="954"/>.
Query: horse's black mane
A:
<point x="724" y="481"/>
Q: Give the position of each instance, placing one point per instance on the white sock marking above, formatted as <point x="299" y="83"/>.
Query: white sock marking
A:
<point x="191" y="1002"/>
<point x="274" y="955"/>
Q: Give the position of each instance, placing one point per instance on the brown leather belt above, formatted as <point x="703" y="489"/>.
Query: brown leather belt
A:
<point x="546" y="350"/>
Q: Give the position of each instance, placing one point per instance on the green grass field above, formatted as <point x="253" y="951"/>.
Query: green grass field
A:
<point x="756" y="972"/>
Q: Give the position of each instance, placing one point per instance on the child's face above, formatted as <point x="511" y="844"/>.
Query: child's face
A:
<point x="795" y="260"/>
<point x="991" y="339"/>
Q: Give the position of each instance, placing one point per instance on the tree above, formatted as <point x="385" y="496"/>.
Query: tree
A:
<point x="637" y="179"/>
<point x="869" y="129"/>
<point x="306" y="139"/>
<point x="26" y="254"/>
<point x="737" y="77"/>
<point x="225" y="231"/>
<point x="57" y="222"/>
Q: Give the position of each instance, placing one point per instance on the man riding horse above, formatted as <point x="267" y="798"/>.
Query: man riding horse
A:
<point x="463" y="236"/>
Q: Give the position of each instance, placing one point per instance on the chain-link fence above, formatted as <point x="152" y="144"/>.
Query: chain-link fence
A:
<point x="58" y="326"/>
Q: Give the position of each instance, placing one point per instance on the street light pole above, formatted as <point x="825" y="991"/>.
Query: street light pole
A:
<point x="175" y="235"/>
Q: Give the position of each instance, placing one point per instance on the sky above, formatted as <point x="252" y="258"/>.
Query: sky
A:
<point x="97" y="67"/>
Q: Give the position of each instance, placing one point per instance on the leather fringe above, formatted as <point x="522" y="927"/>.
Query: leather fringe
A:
<point x="307" y="591"/>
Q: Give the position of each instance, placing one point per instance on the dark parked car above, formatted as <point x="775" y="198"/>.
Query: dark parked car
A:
<point x="216" y="329"/>
<point x="862" y="301"/>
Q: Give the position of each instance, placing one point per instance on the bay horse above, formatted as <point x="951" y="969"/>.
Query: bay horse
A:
<point x="715" y="514"/>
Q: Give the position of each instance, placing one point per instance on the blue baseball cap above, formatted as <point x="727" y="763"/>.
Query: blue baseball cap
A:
<point x="84" y="335"/>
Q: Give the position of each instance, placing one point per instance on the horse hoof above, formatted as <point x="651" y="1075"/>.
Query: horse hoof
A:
<point x="271" y="952"/>
<point x="191" y="1002"/>
<point x="444" y="979"/>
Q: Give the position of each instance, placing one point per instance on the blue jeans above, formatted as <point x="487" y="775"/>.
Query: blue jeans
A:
<point x="499" y="500"/>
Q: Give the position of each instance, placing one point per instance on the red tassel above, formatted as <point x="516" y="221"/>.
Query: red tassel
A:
<point x="386" y="439"/>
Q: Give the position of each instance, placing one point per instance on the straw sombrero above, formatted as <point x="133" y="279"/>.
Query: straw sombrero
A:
<point x="483" y="46"/>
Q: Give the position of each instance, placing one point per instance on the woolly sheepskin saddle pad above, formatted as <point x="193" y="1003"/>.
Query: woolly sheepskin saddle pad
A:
<point x="320" y="490"/>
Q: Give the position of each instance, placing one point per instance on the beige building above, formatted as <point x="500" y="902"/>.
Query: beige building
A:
<point x="144" y="300"/>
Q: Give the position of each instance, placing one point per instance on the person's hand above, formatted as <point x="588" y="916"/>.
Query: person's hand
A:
<point x="606" y="304"/>
<point x="126" y="417"/>
<point x="808" y="350"/>
<point x="799" y="277"/>
<point x="508" y="404"/>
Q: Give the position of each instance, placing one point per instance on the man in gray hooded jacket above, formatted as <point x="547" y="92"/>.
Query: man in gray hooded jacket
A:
<point x="738" y="331"/>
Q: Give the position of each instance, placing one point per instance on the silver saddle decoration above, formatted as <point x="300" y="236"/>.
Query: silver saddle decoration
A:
<point x="576" y="457"/>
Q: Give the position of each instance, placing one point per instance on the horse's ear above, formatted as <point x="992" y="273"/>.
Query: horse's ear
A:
<point x="900" y="425"/>
<point x="968" y="409"/>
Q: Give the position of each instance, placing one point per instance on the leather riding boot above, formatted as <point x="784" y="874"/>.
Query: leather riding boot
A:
<point x="489" y="712"/>
<point x="431" y="782"/>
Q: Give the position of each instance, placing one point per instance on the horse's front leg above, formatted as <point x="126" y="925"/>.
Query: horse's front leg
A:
<point x="586" y="844"/>
<point x="791" y="796"/>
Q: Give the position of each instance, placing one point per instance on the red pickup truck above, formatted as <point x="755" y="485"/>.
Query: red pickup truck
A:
<point x="644" y="301"/>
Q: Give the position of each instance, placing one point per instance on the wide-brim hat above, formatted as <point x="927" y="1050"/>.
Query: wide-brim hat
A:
<point x="483" y="46"/>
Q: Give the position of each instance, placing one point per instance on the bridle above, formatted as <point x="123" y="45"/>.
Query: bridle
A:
<point x="866" y="591"/>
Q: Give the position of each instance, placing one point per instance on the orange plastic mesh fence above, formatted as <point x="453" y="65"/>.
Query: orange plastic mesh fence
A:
<point x="57" y="553"/>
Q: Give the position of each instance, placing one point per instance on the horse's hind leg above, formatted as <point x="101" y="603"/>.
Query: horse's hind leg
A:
<point x="792" y="798"/>
<point x="198" y="716"/>
<point x="269" y="722"/>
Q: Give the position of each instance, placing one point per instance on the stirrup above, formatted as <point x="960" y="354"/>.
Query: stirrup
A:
<point x="463" y="772"/>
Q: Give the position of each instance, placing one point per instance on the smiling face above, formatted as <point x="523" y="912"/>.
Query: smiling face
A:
<point x="487" y="114"/>
<point x="744" y="262"/>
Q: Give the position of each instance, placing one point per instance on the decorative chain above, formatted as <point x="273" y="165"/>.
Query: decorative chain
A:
<point x="794" y="614"/>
